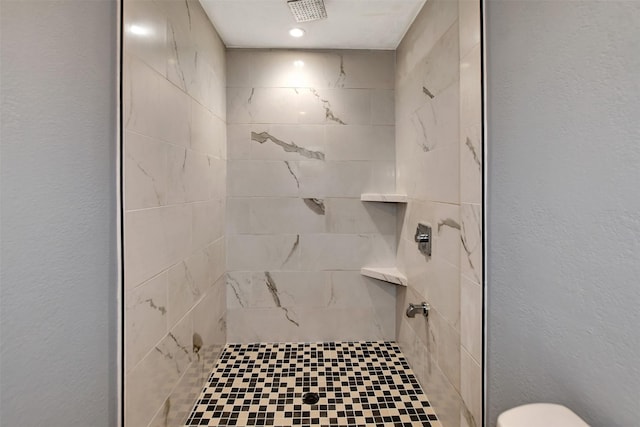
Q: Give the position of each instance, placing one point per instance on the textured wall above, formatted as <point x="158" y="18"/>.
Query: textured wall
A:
<point x="174" y="191"/>
<point x="438" y="165"/>
<point x="564" y="228"/>
<point x="308" y="133"/>
<point x="58" y="245"/>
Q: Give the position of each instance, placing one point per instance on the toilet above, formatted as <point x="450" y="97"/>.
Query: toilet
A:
<point x="540" y="415"/>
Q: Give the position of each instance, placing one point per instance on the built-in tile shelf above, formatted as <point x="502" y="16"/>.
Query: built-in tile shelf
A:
<point x="384" y="197"/>
<point x="386" y="274"/>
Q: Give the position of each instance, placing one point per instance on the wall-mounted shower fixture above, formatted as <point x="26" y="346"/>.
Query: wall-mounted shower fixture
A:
<point x="418" y="308"/>
<point x="307" y="10"/>
<point x="423" y="237"/>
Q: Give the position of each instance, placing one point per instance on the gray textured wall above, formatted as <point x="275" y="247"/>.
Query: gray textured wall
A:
<point x="58" y="271"/>
<point x="564" y="207"/>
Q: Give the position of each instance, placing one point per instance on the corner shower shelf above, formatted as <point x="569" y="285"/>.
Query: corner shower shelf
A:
<point x="384" y="197"/>
<point x="386" y="274"/>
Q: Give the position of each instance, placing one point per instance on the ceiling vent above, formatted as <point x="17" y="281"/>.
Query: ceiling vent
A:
<point x="307" y="10"/>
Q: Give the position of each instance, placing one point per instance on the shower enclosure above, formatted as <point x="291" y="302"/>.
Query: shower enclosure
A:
<point x="272" y="196"/>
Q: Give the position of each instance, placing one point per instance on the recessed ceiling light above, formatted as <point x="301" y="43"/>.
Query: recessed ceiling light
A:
<point x="298" y="63"/>
<point x="296" y="32"/>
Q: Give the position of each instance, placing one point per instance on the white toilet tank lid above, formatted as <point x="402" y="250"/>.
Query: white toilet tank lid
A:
<point x="540" y="414"/>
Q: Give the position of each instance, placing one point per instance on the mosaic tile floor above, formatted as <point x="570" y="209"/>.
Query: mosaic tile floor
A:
<point x="359" y="384"/>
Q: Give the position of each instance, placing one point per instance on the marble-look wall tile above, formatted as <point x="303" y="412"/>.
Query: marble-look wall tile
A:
<point x="286" y="142"/>
<point x="208" y="132"/>
<point x="335" y="179"/>
<point x="145" y="165"/>
<point x="308" y="133"/>
<point x="293" y="68"/>
<point x="151" y="381"/>
<point x="445" y="340"/>
<point x="188" y="282"/>
<point x="277" y="215"/>
<point x="186" y="171"/>
<point x="321" y="69"/>
<point x="247" y="252"/>
<point x="153" y="106"/>
<point x="154" y="240"/>
<point x="435" y="18"/>
<point x="248" y="178"/>
<point x="239" y="68"/>
<point x="469" y="25"/>
<point x="471" y="239"/>
<point x="146" y="318"/>
<point x="351" y="216"/>
<point x="471" y="390"/>
<point x="308" y="306"/>
<point x="208" y="220"/>
<point x="471" y="318"/>
<point x="438" y="131"/>
<point x="367" y="69"/>
<point x="150" y="47"/>
<point x="471" y="128"/>
<point x="210" y="326"/>
<point x="262" y="105"/>
<point x="360" y="143"/>
<point x="195" y="61"/>
<point x="175" y="192"/>
<point x="320" y="252"/>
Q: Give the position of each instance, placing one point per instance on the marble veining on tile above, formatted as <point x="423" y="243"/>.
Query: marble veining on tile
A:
<point x="329" y="114"/>
<point x="263" y="137"/>
<point x="427" y="92"/>
<point x="175" y="167"/>
<point x="471" y="238"/>
<point x="273" y="290"/>
<point x="293" y="249"/>
<point x="439" y="166"/>
<point x="473" y="151"/>
<point x="316" y="205"/>
<point x="308" y="133"/>
<point x="342" y="75"/>
<point x="292" y="173"/>
<point x="448" y="222"/>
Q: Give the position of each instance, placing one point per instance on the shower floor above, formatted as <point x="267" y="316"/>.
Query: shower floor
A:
<point x="359" y="384"/>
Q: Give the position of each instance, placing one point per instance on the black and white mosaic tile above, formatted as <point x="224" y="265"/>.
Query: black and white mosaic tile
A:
<point x="358" y="384"/>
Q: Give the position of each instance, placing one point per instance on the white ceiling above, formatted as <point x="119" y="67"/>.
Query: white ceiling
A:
<point x="351" y="24"/>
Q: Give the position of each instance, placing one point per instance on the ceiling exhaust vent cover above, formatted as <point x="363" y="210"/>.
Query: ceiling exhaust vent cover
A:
<point x="307" y="10"/>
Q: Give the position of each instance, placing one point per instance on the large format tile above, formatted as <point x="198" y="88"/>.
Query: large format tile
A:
<point x="248" y="252"/>
<point x="471" y="390"/>
<point x="248" y="178"/>
<point x="149" y="384"/>
<point x="352" y="216"/>
<point x="146" y="318"/>
<point x="471" y="318"/>
<point x="145" y="177"/>
<point x="153" y="106"/>
<point x="155" y="239"/>
<point x="439" y="166"/>
<point x="469" y="25"/>
<point x="354" y="142"/>
<point x="471" y="128"/>
<point x="277" y="215"/>
<point x="145" y="33"/>
<point x="471" y="237"/>
<point x="320" y="252"/>
<point x="309" y="132"/>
